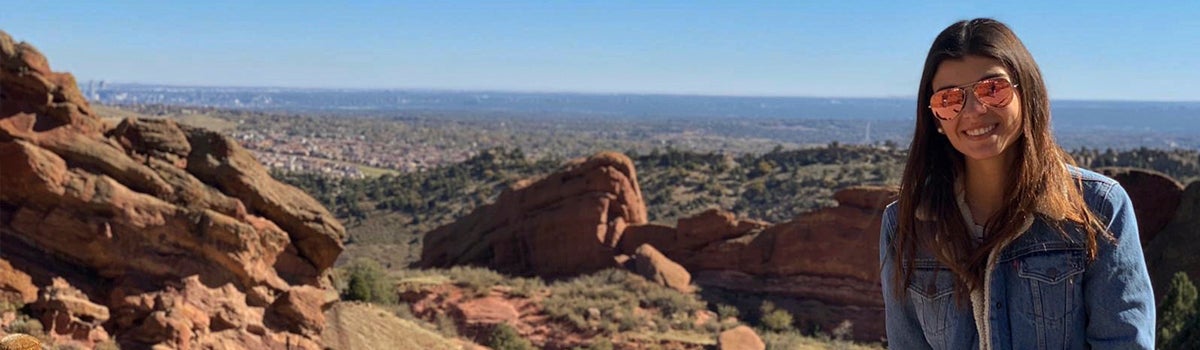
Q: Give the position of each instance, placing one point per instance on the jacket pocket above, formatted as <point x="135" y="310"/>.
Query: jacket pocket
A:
<point x="931" y="289"/>
<point x="1053" y="293"/>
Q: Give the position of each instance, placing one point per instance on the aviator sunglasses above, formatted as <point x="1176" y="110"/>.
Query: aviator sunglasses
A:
<point x="993" y="92"/>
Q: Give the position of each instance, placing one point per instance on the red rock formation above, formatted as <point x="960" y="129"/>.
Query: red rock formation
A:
<point x="563" y="224"/>
<point x="70" y="316"/>
<point x="656" y="267"/>
<point x="713" y="239"/>
<point x="1174" y="248"/>
<point x="175" y="232"/>
<point x="1155" y="197"/>
<point x="740" y="338"/>
<point x="16" y="285"/>
<point x="826" y="261"/>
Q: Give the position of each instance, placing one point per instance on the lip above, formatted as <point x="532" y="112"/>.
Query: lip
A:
<point x="994" y="128"/>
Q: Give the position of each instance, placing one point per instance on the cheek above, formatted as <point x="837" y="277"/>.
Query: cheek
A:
<point x="1014" y="116"/>
<point x="1013" y="110"/>
<point x="944" y="125"/>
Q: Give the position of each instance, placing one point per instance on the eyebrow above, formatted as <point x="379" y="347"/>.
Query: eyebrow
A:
<point x="986" y="77"/>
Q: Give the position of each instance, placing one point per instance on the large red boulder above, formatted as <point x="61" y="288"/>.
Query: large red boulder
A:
<point x="740" y="338"/>
<point x="656" y="267"/>
<point x="1155" y="197"/>
<point x="566" y="223"/>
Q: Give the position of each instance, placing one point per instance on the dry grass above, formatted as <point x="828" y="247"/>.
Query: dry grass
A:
<point x="365" y="326"/>
<point x="686" y="337"/>
<point x="793" y="340"/>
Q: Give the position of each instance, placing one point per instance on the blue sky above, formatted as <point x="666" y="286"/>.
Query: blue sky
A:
<point x="1126" y="50"/>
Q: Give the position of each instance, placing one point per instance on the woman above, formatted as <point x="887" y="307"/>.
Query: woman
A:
<point x="997" y="240"/>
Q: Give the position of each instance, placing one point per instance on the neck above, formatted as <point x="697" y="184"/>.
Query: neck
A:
<point x="984" y="185"/>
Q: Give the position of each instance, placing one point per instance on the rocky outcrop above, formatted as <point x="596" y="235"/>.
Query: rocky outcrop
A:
<point x="69" y="315"/>
<point x="1174" y="248"/>
<point x="823" y="266"/>
<point x="159" y="233"/>
<point x="563" y="224"/>
<point x="15" y="285"/>
<point x="1155" y="197"/>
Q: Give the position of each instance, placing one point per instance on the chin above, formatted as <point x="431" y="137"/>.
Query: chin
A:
<point x="983" y="152"/>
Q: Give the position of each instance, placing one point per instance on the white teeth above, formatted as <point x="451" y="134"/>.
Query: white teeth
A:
<point x="981" y="131"/>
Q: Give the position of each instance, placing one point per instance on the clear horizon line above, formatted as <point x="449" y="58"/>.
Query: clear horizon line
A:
<point x="569" y="92"/>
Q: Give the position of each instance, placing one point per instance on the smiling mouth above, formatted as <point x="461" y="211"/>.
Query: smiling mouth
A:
<point x="980" y="131"/>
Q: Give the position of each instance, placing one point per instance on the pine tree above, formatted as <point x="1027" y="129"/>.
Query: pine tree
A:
<point x="1177" y="314"/>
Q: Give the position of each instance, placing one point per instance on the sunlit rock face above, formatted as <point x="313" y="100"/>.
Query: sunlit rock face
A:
<point x="159" y="233"/>
<point x="563" y="224"/>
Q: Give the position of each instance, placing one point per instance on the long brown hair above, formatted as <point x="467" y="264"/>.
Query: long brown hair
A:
<point x="1041" y="181"/>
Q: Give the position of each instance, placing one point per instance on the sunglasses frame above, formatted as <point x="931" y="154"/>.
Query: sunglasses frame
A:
<point x="971" y="86"/>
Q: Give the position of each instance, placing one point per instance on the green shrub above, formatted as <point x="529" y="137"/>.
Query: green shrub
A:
<point x="366" y="281"/>
<point x="1188" y="337"/>
<point x="26" y="325"/>
<point x="6" y="306"/>
<point x="505" y="337"/>
<point x="476" y="280"/>
<point x="1177" y="308"/>
<point x="713" y="326"/>
<point x="784" y="340"/>
<point x="777" y="320"/>
<point x="725" y="311"/>
<point x="527" y="287"/>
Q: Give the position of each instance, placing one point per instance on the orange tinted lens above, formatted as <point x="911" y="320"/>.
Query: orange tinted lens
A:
<point x="947" y="103"/>
<point x="994" y="92"/>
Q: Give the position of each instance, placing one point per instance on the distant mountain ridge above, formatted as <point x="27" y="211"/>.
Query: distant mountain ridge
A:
<point x="1178" y="116"/>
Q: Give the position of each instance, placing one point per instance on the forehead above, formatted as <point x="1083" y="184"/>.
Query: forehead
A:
<point x="969" y="69"/>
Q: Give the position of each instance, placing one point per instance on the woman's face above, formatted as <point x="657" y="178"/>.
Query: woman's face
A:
<point x="979" y="132"/>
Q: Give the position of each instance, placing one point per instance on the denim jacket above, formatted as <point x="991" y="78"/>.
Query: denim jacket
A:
<point x="1040" y="291"/>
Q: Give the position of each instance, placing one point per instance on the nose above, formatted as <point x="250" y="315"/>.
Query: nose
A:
<point x="972" y="106"/>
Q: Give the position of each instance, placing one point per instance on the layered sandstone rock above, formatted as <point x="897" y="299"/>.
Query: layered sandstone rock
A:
<point x="563" y="224"/>
<point x="69" y="314"/>
<point x="1155" y="197"/>
<point x="823" y="266"/>
<point x="591" y="216"/>
<point x="1174" y="248"/>
<point x="161" y="233"/>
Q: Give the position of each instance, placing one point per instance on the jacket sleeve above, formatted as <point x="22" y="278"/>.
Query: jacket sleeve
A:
<point x="903" y="329"/>
<point x="1117" y="292"/>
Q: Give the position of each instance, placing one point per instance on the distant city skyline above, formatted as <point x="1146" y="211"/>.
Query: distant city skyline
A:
<point x="1093" y="50"/>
